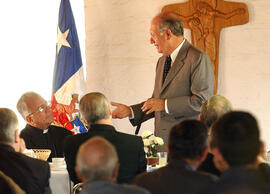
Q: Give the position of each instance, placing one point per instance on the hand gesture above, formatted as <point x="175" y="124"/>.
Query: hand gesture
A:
<point x="121" y="111"/>
<point x="153" y="104"/>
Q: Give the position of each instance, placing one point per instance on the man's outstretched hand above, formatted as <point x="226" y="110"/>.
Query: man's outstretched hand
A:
<point x="121" y="111"/>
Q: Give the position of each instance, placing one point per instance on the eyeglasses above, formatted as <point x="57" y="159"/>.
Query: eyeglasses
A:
<point x="40" y="109"/>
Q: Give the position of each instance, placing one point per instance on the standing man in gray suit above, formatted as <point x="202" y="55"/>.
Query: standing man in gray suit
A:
<point x="184" y="79"/>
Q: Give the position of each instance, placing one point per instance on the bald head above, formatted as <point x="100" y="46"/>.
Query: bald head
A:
<point x="96" y="160"/>
<point x="94" y="107"/>
<point x="214" y="108"/>
<point x="8" y="125"/>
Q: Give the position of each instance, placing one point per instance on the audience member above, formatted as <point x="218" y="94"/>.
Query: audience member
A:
<point x="211" y="110"/>
<point x="30" y="174"/>
<point x="187" y="148"/>
<point x="39" y="133"/>
<point x="95" y="109"/>
<point x="235" y="143"/>
<point x="97" y="166"/>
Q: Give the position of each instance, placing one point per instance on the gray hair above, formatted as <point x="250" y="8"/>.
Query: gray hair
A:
<point x="214" y="108"/>
<point x="21" y="104"/>
<point x="170" y="20"/>
<point x="94" y="107"/>
<point x="96" y="159"/>
<point x="8" y="125"/>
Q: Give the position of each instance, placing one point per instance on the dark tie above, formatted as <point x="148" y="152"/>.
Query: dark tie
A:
<point x="167" y="67"/>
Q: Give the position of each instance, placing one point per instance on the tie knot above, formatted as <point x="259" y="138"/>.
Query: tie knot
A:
<point x="168" y="59"/>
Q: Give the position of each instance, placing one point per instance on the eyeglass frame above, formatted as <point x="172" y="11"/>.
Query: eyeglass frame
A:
<point x="40" y="109"/>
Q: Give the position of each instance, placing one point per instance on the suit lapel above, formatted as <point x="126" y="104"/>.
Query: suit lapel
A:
<point x="177" y="65"/>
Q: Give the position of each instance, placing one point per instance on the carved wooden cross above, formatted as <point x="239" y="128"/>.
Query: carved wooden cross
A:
<point x="205" y="19"/>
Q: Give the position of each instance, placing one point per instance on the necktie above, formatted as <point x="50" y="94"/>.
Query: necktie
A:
<point x="167" y="67"/>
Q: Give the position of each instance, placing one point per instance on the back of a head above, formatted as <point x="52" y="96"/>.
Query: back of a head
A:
<point x="213" y="109"/>
<point x="22" y="102"/>
<point x="236" y="135"/>
<point x="94" y="107"/>
<point x="187" y="140"/>
<point x="172" y="21"/>
<point x="96" y="159"/>
<point x="8" y="125"/>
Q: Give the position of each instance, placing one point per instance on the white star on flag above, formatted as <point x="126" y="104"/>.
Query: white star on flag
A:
<point x="62" y="39"/>
<point x="76" y="129"/>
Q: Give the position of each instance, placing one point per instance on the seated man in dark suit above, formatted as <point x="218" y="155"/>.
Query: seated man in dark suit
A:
<point x="211" y="110"/>
<point x="95" y="109"/>
<point x="235" y="144"/>
<point x="187" y="148"/>
<point x="30" y="174"/>
<point x="39" y="133"/>
<point x="97" y="166"/>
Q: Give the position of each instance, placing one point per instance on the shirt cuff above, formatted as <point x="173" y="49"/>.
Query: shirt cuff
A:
<point x="132" y="114"/>
<point x="166" y="107"/>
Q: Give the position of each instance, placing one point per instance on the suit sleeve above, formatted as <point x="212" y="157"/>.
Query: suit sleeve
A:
<point x="142" y="159"/>
<point x="70" y="158"/>
<point x="201" y="88"/>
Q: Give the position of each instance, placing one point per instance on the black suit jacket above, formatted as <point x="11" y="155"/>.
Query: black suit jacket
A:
<point x="240" y="180"/>
<point x="129" y="148"/>
<point x="176" y="177"/>
<point x="30" y="174"/>
<point x="35" y="139"/>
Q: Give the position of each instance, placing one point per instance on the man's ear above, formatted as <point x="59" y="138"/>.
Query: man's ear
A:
<point x="78" y="173"/>
<point x="200" y="117"/>
<point x="204" y="155"/>
<point x="167" y="149"/>
<point x="262" y="148"/>
<point x="261" y="151"/>
<point x="16" y="136"/>
<point x="28" y="119"/>
<point x="115" y="172"/>
<point x="110" y="109"/>
<point x="219" y="161"/>
<point x="169" y="34"/>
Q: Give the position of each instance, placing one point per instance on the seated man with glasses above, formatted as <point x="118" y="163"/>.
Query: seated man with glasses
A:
<point x="39" y="133"/>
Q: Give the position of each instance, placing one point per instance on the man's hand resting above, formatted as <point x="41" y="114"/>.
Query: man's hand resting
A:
<point x="153" y="104"/>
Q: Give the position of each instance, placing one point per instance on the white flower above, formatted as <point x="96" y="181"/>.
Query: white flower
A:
<point x="146" y="142"/>
<point x="158" y="141"/>
<point x="146" y="134"/>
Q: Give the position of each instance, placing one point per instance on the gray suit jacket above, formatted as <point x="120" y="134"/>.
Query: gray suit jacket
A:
<point x="188" y="84"/>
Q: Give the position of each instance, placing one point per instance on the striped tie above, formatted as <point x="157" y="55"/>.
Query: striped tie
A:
<point x="167" y="68"/>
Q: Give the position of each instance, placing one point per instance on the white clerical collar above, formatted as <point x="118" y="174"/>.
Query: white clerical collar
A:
<point x="176" y="51"/>
<point x="45" y="131"/>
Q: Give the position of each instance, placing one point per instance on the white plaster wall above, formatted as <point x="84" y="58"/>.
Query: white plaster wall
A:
<point x="121" y="62"/>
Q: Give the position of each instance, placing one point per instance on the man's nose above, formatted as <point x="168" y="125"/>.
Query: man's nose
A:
<point x="152" y="41"/>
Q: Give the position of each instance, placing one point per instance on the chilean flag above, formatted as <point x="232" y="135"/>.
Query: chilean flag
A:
<point x="68" y="79"/>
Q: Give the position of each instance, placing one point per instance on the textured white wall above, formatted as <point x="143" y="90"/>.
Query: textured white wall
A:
<point x="121" y="62"/>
